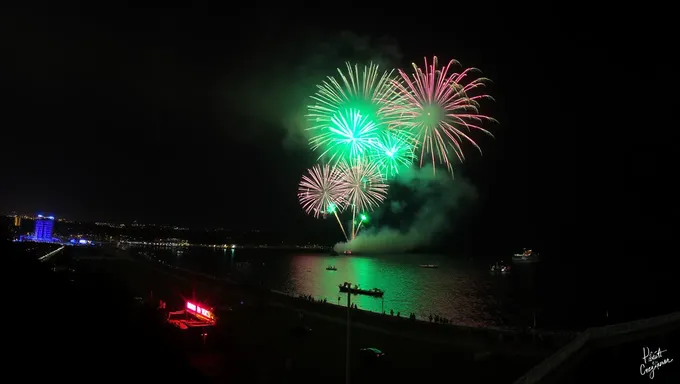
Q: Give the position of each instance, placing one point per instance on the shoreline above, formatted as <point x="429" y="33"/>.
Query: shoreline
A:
<point x="529" y="342"/>
<point x="255" y="326"/>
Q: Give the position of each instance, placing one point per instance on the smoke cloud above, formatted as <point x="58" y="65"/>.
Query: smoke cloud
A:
<point x="278" y="93"/>
<point x="440" y="199"/>
<point x="323" y="61"/>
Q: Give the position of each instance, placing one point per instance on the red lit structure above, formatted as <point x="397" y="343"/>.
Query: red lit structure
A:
<point x="193" y="315"/>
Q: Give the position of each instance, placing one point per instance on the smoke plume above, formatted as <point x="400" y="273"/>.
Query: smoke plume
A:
<point x="278" y="92"/>
<point x="439" y="197"/>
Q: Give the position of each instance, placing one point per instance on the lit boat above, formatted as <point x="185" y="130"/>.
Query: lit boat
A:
<point x="331" y="268"/>
<point x="358" y="291"/>
<point x="527" y="256"/>
<point x="500" y="268"/>
<point x="429" y="266"/>
<point x="348" y="253"/>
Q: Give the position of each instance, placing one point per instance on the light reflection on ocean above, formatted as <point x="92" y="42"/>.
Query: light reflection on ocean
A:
<point x="459" y="290"/>
<point x="453" y="290"/>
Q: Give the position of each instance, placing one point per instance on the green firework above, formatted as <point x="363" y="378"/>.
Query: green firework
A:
<point x="393" y="152"/>
<point x="350" y="135"/>
<point x="352" y="111"/>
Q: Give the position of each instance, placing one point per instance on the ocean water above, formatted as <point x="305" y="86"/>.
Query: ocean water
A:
<point x="552" y="296"/>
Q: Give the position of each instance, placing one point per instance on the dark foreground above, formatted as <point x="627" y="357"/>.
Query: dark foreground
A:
<point x="620" y="360"/>
<point x="256" y="341"/>
<point x="85" y="330"/>
<point x="88" y="323"/>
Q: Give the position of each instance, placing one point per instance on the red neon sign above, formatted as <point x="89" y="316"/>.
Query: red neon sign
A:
<point x="199" y="310"/>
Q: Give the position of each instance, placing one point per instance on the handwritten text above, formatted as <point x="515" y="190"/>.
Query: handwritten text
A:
<point x="652" y="360"/>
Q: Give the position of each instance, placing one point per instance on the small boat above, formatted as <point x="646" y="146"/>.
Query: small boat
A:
<point x="500" y="268"/>
<point x="358" y="291"/>
<point x="331" y="268"/>
<point x="527" y="256"/>
<point x="429" y="266"/>
<point x="348" y="253"/>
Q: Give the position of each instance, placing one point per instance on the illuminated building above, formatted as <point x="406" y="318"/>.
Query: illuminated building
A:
<point x="193" y="316"/>
<point x="44" y="226"/>
<point x="17" y="221"/>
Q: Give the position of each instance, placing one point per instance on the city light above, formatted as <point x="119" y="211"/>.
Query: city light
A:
<point x="44" y="226"/>
<point x="201" y="312"/>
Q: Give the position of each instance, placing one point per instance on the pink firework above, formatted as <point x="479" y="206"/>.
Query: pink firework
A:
<point x="362" y="185"/>
<point x="441" y="109"/>
<point x="320" y="192"/>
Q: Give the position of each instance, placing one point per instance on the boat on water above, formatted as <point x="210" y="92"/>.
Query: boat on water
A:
<point x="500" y="268"/>
<point x="527" y="256"/>
<point x="346" y="287"/>
<point x="429" y="266"/>
<point x="348" y="253"/>
<point x="331" y="268"/>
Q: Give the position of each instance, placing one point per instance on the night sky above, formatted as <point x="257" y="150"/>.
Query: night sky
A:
<point x="191" y="117"/>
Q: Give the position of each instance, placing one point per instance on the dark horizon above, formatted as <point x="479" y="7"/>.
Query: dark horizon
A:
<point x="180" y="117"/>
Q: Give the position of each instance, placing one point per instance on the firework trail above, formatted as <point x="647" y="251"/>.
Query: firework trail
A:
<point x="321" y="192"/>
<point x="440" y="109"/>
<point x="362" y="187"/>
<point x="348" y="113"/>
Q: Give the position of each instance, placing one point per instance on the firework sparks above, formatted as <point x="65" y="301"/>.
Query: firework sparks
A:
<point x="320" y="192"/>
<point x="349" y="136"/>
<point x="393" y="152"/>
<point x="368" y="125"/>
<point x="440" y="109"/>
<point x="349" y="113"/>
<point x="362" y="185"/>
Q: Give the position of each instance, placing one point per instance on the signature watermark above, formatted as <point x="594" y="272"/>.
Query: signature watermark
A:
<point x="652" y="361"/>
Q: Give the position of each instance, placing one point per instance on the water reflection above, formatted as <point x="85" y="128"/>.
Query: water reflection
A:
<point x="454" y="290"/>
<point x="458" y="290"/>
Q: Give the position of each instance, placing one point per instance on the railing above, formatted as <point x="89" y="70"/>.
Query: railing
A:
<point x="558" y="358"/>
<point x="632" y="326"/>
<point x="49" y="255"/>
<point x="548" y="365"/>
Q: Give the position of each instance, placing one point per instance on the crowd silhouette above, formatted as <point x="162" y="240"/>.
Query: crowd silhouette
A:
<point x="412" y="316"/>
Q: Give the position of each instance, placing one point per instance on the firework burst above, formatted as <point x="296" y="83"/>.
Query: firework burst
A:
<point x="441" y="109"/>
<point x="362" y="185"/>
<point x="320" y="191"/>
<point x="350" y="135"/>
<point x="393" y="152"/>
<point x="351" y="109"/>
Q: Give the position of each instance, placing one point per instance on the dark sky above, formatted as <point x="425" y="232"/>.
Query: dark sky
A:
<point x="189" y="116"/>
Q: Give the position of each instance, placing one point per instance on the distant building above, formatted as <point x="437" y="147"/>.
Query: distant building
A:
<point x="17" y="221"/>
<point x="44" y="226"/>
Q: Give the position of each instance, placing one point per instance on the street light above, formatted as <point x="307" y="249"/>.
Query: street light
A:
<point x="348" y="352"/>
